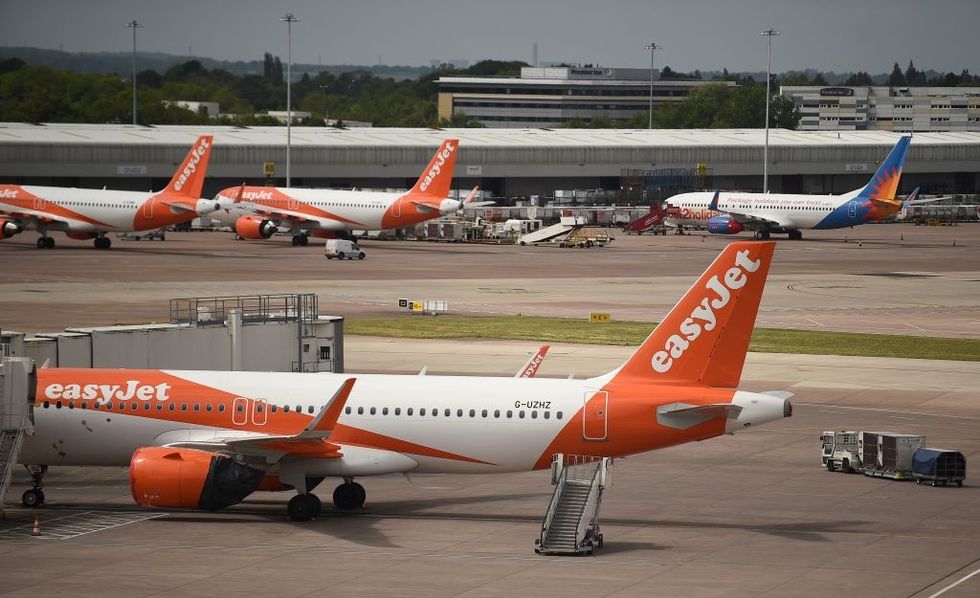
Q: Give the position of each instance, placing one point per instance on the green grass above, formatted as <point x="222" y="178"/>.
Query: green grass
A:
<point x="565" y="330"/>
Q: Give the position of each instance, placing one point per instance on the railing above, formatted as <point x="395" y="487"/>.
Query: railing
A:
<point x="205" y="311"/>
<point x="10" y="459"/>
<point x="555" y="499"/>
<point x="590" y="506"/>
<point x="312" y="366"/>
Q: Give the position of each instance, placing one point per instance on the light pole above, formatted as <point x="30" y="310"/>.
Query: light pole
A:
<point x="134" y="25"/>
<point x="770" y="33"/>
<point x="651" y="47"/>
<point x="289" y="19"/>
<point x="324" y="88"/>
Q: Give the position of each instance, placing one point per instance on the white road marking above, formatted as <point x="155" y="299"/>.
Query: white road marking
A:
<point x="79" y="524"/>
<point x="815" y="322"/>
<point x="914" y="326"/>
<point x="953" y="585"/>
<point x="819" y="405"/>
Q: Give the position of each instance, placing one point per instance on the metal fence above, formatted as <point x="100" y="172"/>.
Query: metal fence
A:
<point x="204" y="311"/>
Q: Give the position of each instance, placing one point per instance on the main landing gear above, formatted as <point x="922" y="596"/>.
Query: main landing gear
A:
<point x="45" y="243"/>
<point x="346" y="497"/>
<point x="762" y="234"/>
<point x="300" y="240"/>
<point x="34" y="497"/>
<point x="103" y="242"/>
<point x="795" y="235"/>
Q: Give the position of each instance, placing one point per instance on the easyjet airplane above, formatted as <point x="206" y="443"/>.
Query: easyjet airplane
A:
<point x="91" y="213"/>
<point x="208" y="439"/>
<point x="259" y="212"/>
<point x="729" y="213"/>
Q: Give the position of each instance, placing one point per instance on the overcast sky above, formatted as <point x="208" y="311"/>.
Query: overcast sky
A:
<point x="837" y="35"/>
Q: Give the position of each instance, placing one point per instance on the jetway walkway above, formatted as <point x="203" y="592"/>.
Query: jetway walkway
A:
<point x="17" y="384"/>
<point x="571" y="525"/>
<point x="565" y="226"/>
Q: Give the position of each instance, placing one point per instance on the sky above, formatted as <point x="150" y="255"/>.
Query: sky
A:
<point x="828" y="35"/>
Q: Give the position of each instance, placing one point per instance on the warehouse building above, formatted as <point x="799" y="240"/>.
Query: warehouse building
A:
<point x="901" y="109"/>
<point x="505" y="162"/>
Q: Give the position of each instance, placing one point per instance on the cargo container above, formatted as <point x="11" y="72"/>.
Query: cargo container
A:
<point x="888" y="455"/>
<point x="938" y="467"/>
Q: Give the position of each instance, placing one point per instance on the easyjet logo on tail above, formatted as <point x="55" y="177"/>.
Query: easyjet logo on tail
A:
<point x="437" y="166"/>
<point x="103" y="393"/>
<point x="195" y="158"/>
<point x="704" y="316"/>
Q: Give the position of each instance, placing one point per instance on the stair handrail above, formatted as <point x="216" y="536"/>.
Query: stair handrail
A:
<point x="553" y="506"/>
<point x="8" y="467"/>
<point x="595" y="489"/>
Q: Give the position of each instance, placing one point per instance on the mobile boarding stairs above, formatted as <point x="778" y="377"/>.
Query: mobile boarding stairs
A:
<point x="571" y="525"/>
<point x="16" y="418"/>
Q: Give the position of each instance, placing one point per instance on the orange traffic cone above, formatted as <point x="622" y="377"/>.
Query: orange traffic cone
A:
<point x="37" y="526"/>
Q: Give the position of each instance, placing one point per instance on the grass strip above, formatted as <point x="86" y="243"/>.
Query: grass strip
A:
<point x="566" y="330"/>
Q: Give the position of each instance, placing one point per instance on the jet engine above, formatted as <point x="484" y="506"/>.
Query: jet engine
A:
<point x="8" y="229"/>
<point x="724" y="225"/>
<point x="189" y="478"/>
<point x="254" y="227"/>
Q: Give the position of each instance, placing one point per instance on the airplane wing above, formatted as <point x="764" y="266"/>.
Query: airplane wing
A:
<point x="750" y="220"/>
<point x="311" y="441"/>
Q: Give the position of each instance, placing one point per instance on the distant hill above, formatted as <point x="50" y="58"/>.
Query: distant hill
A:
<point x="121" y="63"/>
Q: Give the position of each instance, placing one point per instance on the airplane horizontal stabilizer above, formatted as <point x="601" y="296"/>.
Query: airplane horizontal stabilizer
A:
<point x="683" y="415"/>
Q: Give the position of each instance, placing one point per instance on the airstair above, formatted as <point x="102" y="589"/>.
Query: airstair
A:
<point x="653" y="219"/>
<point x="16" y="401"/>
<point x="565" y="226"/>
<point x="571" y="525"/>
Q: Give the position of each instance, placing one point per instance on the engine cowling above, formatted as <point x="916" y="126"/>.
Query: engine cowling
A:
<point x="190" y="479"/>
<point x="724" y="225"/>
<point x="254" y="227"/>
<point x="8" y="229"/>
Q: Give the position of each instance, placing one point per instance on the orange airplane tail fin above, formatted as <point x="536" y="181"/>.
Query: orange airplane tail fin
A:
<point x="438" y="175"/>
<point x="704" y="338"/>
<point x="189" y="178"/>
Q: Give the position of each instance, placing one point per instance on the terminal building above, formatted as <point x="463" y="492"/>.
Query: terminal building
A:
<point x="900" y="109"/>
<point x="551" y="96"/>
<point x="507" y="163"/>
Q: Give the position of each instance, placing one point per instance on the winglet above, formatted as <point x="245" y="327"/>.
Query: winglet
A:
<point x="472" y="195"/>
<point x="713" y="206"/>
<point x="240" y="194"/>
<point x="325" y="421"/>
<point x="914" y="195"/>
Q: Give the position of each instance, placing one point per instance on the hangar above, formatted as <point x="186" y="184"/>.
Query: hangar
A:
<point x="506" y="162"/>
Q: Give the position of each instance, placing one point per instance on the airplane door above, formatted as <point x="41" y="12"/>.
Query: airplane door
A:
<point x="852" y="209"/>
<point x="260" y="412"/>
<point x="40" y="203"/>
<point x="148" y="208"/>
<point x="239" y="411"/>
<point x="595" y="415"/>
<point x="292" y="203"/>
<point x="396" y="208"/>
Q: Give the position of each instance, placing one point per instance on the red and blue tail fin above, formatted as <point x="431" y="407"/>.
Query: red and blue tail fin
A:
<point x="884" y="184"/>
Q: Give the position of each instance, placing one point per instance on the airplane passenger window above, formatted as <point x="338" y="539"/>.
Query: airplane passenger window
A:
<point x="558" y="415"/>
<point x="398" y="410"/>
<point x="274" y="408"/>
<point x="208" y="407"/>
<point x="197" y="406"/>
<point x="285" y="408"/>
<point x="221" y="408"/>
<point x="496" y="412"/>
<point x="258" y="408"/>
<point x="71" y="404"/>
<point x="239" y="408"/>
<point x="108" y="405"/>
<point x="421" y="411"/>
<point x="309" y="409"/>
<point x="534" y="415"/>
<point x="472" y="412"/>
<point x="384" y="411"/>
<point x="146" y="406"/>
<point x="299" y="409"/>
<point x="409" y="411"/>
<point x="84" y="405"/>
<point x="448" y="412"/>
<point x="521" y="414"/>
<point x="547" y="415"/>
<point x="46" y="404"/>
<point x="173" y="406"/>
<point x="347" y="410"/>
<point x="372" y="410"/>
<point x="360" y="410"/>
<point x="183" y="407"/>
<point x="510" y="414"/>
<point x="58" y="405"/>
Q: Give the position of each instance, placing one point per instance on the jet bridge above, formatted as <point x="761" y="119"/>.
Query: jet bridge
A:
<point x="17" y="386"/>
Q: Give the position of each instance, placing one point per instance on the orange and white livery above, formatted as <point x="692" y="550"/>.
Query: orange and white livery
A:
<point x="91" y="213"/>
<point x="207" y="439"/>
<point x="259" y="212"/>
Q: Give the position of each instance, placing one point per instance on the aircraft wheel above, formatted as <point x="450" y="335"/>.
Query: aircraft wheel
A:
<point x="33" y="498"/>
<point x="349" y="496"/>
<point x="303" y="507"/>
<point x="304" y="240"/>
<point x="295" y="240"/>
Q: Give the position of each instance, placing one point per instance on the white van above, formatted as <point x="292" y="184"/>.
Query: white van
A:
<point x="342" y="249"/>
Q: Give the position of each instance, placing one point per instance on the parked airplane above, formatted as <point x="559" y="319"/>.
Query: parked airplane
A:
<point x="258" y="212"/>
<point x="91" y="213"/>
<point x="208" y="439"/>
<point x="791" y="213"/>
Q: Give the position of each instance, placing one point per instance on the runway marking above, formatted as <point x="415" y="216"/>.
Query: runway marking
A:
<point x="953" y="585"/>
<point x="80" y="524"/>
<point x="914" y="326"/>
<point x="815" y="322"/>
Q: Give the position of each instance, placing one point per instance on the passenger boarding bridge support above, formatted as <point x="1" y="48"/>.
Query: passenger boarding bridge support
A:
<point x="571" y="525"/>
<point x="17" y="384"/>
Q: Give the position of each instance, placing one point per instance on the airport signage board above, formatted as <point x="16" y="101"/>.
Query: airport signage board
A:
<point x="600" y="316"/>
<point x="836" y="91"/>
<point x="474" y="170"/>
<point x="269" y="168"/>
<point x="863" y="167"/>
<point x="131" y="170"/>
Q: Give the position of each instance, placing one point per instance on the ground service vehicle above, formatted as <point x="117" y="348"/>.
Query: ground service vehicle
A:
<point x="938" y="467"/>
<point x="342" y="249"/>
<point x="840" y="451"/>
<point x="888" y="455"/>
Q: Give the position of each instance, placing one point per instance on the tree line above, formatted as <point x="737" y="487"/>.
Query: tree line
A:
<point x="36" y="93"/>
